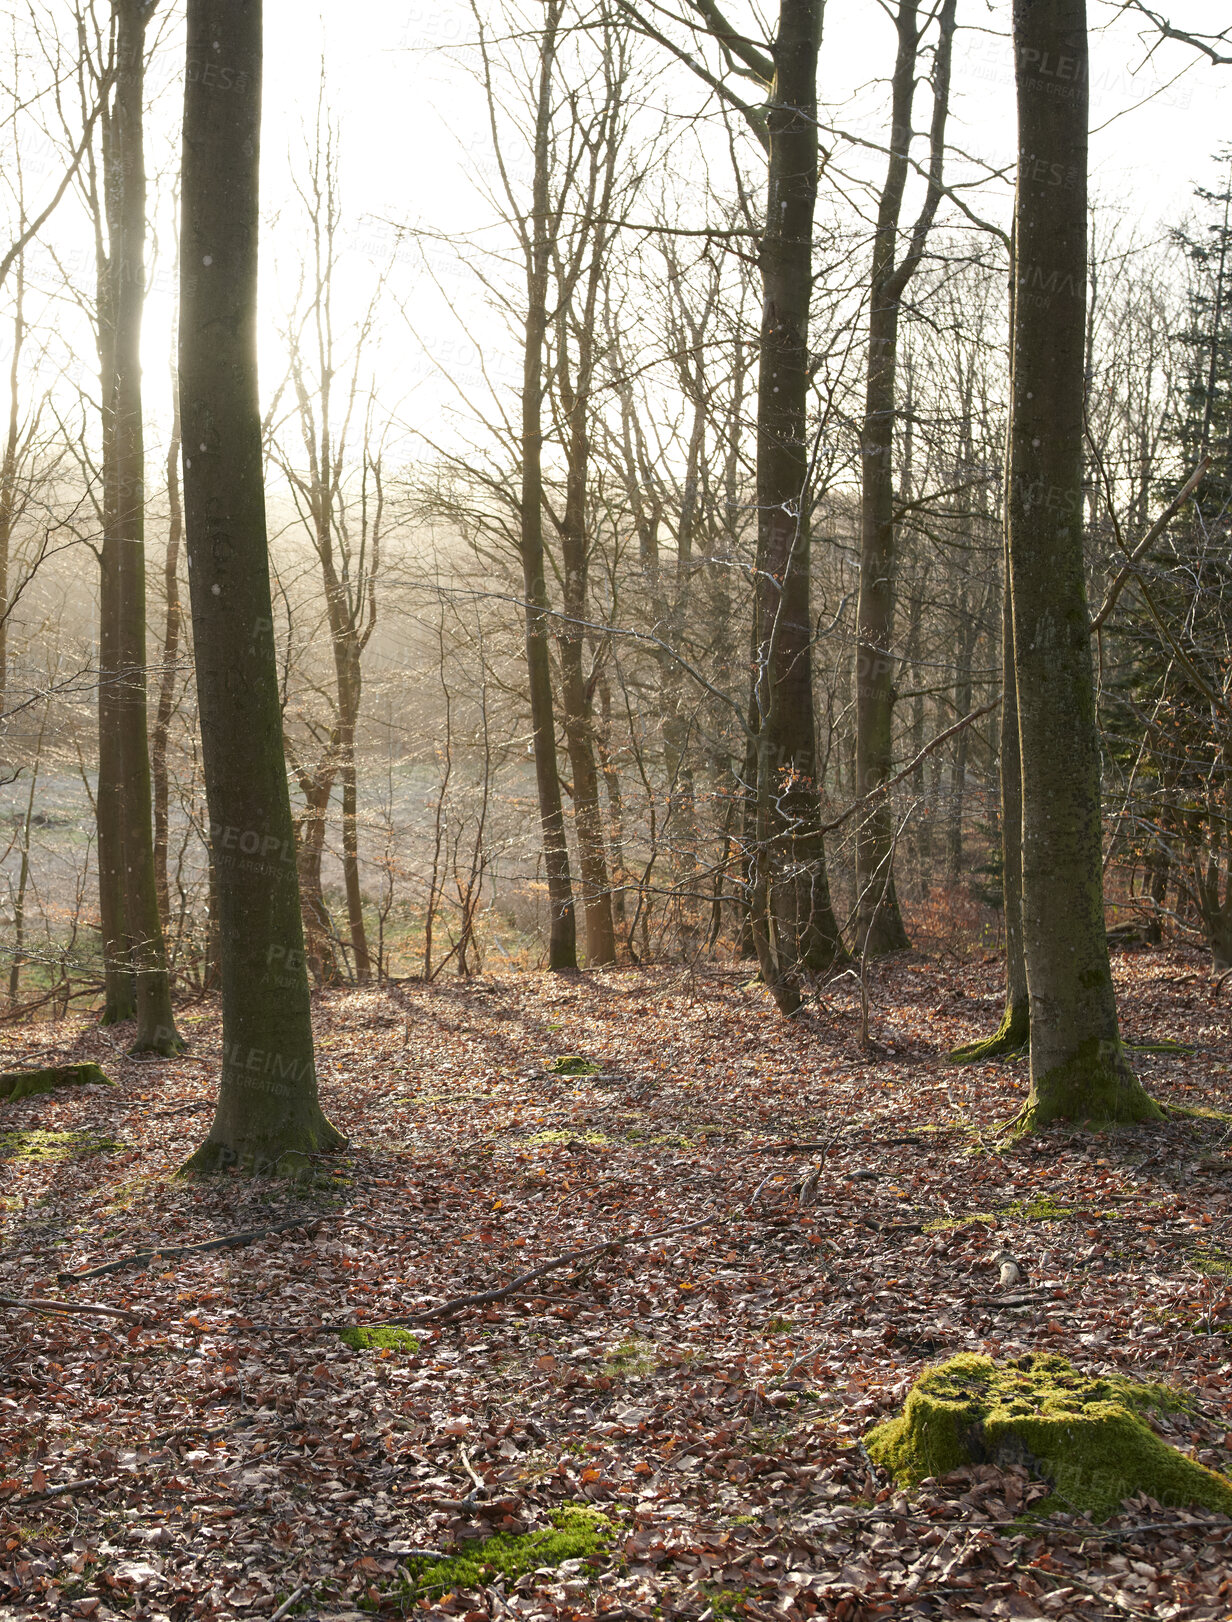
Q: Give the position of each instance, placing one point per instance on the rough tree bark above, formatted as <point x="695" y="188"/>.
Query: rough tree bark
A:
<point x="268" y="1116"/>
<point x="796" y="928"/>
<point x="1078" y="1066"/>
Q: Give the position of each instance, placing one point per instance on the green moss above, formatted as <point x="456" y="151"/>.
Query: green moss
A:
<point x="778" y="1326"/>
<point x="632" y="1357"/>
<point x="1197" y="1112"/>
<point x="1096" y="1086"/>
<point x="727" y="1601"/>
<point x="1011" y="1039"/>
<point x="576" y="1533"/>
<point x="379" y="1338"/>
<point x="1043" y="1209"/>
<point x="25" y="1083"/>
<point x="1212" y="1262"/>
<point x="540" y="1140"/>
<point x="35" y="1145"/>
<point x="572" y="1064"/>
<point x="1085" y="1435"/>
<point x="944" y="1224"/>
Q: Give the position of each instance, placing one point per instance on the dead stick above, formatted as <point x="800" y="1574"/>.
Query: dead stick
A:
<point x="288" y="1602"/>
<point x="483" y="1298"/>
<point x="62" y="1487"/>
<point x="34" y="1304"/>
<point x="245" y="1236"/>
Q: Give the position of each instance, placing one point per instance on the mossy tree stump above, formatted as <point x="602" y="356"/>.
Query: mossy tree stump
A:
<point x="25" y="1083"/>
<point x="1086" y="1436"/>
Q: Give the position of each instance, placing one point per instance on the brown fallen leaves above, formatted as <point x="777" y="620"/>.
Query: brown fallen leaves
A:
<point x="706" y="1389"/>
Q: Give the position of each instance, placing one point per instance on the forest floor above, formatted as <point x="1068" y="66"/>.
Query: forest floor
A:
<point x="705" y="1390"/>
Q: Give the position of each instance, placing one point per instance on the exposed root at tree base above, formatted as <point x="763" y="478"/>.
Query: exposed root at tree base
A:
<point x="265" y="1157"/>
<point x="1011" y="1038"/>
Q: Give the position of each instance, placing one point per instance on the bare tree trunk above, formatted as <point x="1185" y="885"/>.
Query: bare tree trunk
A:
<point x="8" y="472"/>
<point x="119" y="983"/>
<point x="615" y="803"/>
<point x="562" y="934"/>
<point x="1014" y="1032"/>
<point x="1078" y="1066"/>
<point x="316" y="788"/>
<point x="880" y="921"/>
<point x="268" y="1117"/>
<point x="349" y="707"/>
<point x="171" y="651"/>
<point x="125" y="189"/>
<point x="794" y="926"/>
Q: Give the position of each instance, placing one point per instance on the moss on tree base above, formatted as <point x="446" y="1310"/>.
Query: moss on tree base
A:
<point x="25" y="1083"/>
<point x="1012" y="1036"/>
<point x="1095" y="1086"/>
<point x="1084" y="1435"/>
<point x="165" y="1043"/>
<point x="288" y="1153"/>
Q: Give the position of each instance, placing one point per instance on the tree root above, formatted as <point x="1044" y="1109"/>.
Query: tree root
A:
<point x="1011" y="1038"/>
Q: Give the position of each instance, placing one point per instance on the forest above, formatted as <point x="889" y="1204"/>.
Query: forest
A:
<point x="615" y="844"/>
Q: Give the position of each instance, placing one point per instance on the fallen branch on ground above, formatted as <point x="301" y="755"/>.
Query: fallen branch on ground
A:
<point x="62" y="1487"/>
<point x="1026" y="1298"/>
<point x="245" y="1236"/>
<point x="35" y="1304"/>
<point x="483" y="1298"/>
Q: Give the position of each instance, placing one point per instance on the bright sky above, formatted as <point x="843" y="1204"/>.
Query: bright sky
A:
<point x="413" y="128"/>
<point x="410" y="119"/>
<point x="412" y="122"/>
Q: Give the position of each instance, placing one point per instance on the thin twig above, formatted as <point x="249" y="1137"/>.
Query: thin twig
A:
<point x="63" y="1487"/>
<point x="288" y="1603"/>
<point x="483" y="1298"/>
<point x="36" y="1304"/>
<point x="245" y="1236"/>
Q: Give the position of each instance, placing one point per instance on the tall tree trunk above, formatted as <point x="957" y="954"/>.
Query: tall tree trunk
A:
<point x="615" y="802"/>
<point x="879" y="918"/>
<point x="124" y="178"/>
<point x="794" y="923"/>
<point x="562" y="934"/>
<point x="576" y="698"/>
<point x="8" y="473"/>
<point x="592" y="854"/>
<point x="119" y="983"/>
<point x="268" y="1115"/>
<point x="1078" y="1066"/>
<point x="349" y="690"/>
<point x="1012" y="1035"/>
<point x="168" y="674"/>
<point x="309" y="848"/>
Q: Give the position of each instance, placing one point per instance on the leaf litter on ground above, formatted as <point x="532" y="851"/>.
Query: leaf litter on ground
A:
<point x="803" y="1226"/>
